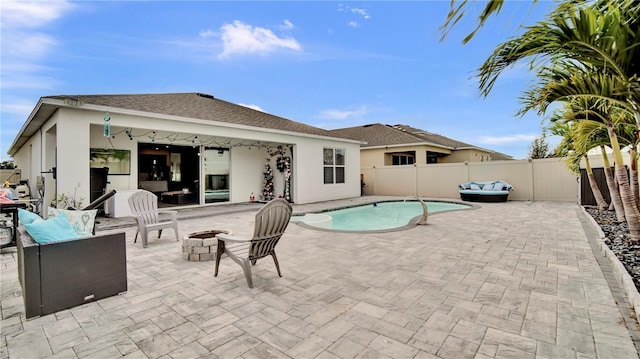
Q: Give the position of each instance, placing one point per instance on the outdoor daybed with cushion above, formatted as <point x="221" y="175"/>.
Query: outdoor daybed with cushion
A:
<point x="486" y="191"/>
<point x="64" y="273"/>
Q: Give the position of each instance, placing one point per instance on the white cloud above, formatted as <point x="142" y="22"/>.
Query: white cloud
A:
<point x="27" y="45"/>
<point x="343" y="114"/>
<point x="31" y="14"/>
<point x="254" y="107"/>
<point x="24" y="45"/>
<point x="503" y="140"/>
<point x="362" y="12"/>
<point x="287" y="25"/>
<point x="207" y="34"/>
<point x="239" y="38"/>
<point x="21" y="108"/>
<point x="28" y="80"/>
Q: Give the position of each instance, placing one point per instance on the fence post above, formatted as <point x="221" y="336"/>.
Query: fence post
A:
<point x="466" y="164"/>
<point x="415" y="182"/>
<point x="531" y="185"/>
<point x="375" y="180"/>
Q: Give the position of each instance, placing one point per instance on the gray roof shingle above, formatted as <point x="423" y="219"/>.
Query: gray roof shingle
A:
<point x="378" y="135"/>
<point x="198" y="106"/>
<point x="387" y="135"/>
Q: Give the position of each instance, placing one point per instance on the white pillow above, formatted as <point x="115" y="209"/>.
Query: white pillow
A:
<point x="81" y="221"/>
<point x="474" y="186"/>
<point x="498" y="187"/>
<point x="488" y="187"/>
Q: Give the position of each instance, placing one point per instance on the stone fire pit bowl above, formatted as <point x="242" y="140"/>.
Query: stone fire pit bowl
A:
<point x="201" y="246"/>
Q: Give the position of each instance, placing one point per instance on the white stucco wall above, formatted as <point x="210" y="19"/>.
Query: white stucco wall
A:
<point x="308" y="159"/>
<point x="38" y="155"/>
<point x="73" y="156"/>
<point x="246" y="173"/>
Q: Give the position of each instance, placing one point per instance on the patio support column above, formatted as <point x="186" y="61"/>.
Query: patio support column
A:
<point x="72" y="156"/>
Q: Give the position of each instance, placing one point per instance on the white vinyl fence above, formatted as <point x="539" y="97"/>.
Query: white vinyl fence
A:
<point x="533" y="180"/>
<point x="13" y="176"/>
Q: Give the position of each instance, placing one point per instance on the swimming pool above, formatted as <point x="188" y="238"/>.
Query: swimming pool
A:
<point x="379" y="216"/>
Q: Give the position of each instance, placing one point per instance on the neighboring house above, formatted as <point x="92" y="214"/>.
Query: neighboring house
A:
<point x="189" y="148"/>
<point x="387" y="145"/>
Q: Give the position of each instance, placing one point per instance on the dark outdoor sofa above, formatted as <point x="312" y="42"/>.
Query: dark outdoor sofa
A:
<point x="485" y="191"/>
<point x="61" y="275"/>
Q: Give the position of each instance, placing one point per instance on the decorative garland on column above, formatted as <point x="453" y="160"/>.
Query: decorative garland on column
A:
<point x="267" y="192"/>
<point x="287" y="185"/>
<point x="283" y="164"/>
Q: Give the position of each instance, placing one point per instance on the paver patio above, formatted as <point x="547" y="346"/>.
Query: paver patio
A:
<point x="506" y="280"/>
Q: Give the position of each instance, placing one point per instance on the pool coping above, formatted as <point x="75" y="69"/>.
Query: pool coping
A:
<point x="412" y="222"/>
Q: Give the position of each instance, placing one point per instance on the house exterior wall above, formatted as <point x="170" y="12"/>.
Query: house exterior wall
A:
<point x="246" y="174"/>
<point x="66" y="138"/>
<point x="308" y="158"/>
<point x="370" y="157"/>
<point x="38" y="155"/>
<point x="470" y="155"/>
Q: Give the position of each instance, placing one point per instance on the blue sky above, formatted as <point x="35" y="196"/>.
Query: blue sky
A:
<point x="328" y="64"/>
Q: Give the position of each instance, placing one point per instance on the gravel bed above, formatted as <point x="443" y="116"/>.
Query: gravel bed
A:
<point x="617" y="238"/>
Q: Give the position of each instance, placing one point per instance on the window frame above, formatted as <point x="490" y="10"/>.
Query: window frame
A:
<point x="335" y="163"/>
<point x="402" y="159"/>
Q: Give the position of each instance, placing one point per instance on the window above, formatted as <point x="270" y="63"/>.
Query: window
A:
<point x="432" y="157"/>
<point x="402" y="159"/>
<point x="333" y="159"/>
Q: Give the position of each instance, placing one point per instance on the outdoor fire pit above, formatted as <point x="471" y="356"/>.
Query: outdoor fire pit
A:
<point x="201" y="246"/>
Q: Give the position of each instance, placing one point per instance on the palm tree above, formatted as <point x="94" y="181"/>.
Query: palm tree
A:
<point x="575" y="145"/>
<point x="457" y="12"/>
<point x="581" y="51"/>
<point x="593" y="131"/>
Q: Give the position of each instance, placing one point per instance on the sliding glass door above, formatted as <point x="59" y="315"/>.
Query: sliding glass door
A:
<point x="216" y="174"/>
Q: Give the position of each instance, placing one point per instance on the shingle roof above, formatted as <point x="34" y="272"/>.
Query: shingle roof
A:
<point x="433" y="137"/>
<point x="197" y="106"/>
<point x="388" y="135"/>
<point x="378" y="135"/>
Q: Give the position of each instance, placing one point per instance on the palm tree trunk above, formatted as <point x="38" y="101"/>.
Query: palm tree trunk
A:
<point x="631" y="211"/>
<point x="614" y="193"/>
<point x="600" y="202"/>
<point x="634" y="177"/>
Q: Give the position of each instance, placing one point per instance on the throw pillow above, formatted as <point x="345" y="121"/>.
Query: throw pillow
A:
<point x="488" y="187"/>
<point x="81" y="221"/>
<point x="474" y="186"/>
<point x="498" y="187"/>
<point x="51" y="230"/>
<point x="26" y="217"/>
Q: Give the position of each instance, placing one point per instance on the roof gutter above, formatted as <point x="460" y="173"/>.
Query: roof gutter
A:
<point x="409" y="145"/>
<point x="26" y="131"/>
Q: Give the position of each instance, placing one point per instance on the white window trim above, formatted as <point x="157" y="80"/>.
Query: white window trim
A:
<point x="334" y="165"/>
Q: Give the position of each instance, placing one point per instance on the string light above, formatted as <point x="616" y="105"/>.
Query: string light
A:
<point x="195" y="140"/>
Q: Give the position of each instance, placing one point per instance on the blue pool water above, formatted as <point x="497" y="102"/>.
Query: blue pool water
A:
<point x="370" y="217"/>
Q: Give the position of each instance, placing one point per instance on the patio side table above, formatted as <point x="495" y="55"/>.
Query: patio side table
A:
<point x="201" y="246"/>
